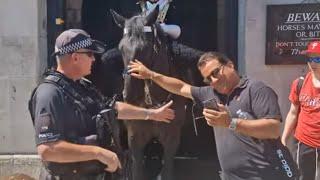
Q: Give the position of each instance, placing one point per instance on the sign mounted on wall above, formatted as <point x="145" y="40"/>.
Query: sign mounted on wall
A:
<point x="289" y="30"/>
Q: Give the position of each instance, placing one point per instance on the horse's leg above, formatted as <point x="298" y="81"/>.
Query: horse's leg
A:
<point x="139" y="134"/>
<point x="170" y="138"/>
<point x="171" y="143"/>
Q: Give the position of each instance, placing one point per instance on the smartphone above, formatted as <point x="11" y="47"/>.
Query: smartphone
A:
<point x="211" y="104"/>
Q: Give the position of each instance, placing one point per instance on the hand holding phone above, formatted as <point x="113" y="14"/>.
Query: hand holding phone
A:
<point x="211" y="104"/>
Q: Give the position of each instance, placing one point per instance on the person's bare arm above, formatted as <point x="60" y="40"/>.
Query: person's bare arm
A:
<point x="290" y="123"/>
<point x="65" y="152"/>
<point x="258" y="128"/>
<point x="173" y="85"/>
<point x="127" y="111"/>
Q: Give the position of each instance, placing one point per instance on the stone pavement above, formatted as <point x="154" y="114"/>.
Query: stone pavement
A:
<point x="16" y="164"/>
<point x="27" y="167"/>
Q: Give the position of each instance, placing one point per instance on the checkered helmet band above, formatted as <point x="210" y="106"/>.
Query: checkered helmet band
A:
<point x="75" y="46"/>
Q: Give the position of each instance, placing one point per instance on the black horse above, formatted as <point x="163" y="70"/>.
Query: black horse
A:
<point x="144" y="40"/>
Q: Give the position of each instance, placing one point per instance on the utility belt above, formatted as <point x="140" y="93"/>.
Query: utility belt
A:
<point x="93" y="167"/>
<point x="99" y="176"/>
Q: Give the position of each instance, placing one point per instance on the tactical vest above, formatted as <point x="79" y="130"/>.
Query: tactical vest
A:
<point x="90" y="106"/>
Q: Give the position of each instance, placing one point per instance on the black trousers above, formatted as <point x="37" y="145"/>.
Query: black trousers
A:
<point x="308" y="161"/>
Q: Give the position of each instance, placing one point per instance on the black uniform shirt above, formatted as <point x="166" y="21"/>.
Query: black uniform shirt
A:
<point x="243" y="157"/>
<point x="58" y="117"/>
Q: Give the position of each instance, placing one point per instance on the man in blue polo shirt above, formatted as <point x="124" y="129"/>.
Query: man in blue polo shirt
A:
<point x="246" y="123"/>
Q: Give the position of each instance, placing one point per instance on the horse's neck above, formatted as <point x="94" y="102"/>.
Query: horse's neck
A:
<point x="155" y="95"/>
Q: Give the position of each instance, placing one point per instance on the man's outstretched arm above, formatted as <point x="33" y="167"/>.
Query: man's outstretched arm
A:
<point x="173" y="85"/>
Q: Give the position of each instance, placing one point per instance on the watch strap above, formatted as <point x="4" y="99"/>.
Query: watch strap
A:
<point x="233" y="123"/>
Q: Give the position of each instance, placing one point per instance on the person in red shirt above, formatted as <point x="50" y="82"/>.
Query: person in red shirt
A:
<point x="303" y="117"/>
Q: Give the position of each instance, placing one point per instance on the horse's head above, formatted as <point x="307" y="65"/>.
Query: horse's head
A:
<point x="143" y="39"/>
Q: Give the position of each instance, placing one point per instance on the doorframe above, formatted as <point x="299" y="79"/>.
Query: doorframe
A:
<point x="55" y="26"/>
<point x="228" y="28"/>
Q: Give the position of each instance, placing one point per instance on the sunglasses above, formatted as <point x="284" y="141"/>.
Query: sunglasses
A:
<point x="214" y="73"/>
<point x="314" y="59"/>
<point x="88" y="53"/>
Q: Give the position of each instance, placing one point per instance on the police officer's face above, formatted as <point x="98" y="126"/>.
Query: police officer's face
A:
<point x="218" y="75"/>
<point x="85" y="61"/>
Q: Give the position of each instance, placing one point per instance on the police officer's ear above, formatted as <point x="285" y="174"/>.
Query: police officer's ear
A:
<point x="74" y="57"/>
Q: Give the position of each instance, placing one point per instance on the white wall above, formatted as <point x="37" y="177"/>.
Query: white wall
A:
<point x="23" y="54"/>
<point x="252" y="42"/>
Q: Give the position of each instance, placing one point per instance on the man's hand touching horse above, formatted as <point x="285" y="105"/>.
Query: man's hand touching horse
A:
<point x="138" y="70"/>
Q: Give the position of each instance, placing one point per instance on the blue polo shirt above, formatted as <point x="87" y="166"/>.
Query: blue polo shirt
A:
<point x="243" y="157"/>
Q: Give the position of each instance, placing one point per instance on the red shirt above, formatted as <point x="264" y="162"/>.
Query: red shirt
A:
<point x="308" y="126"/>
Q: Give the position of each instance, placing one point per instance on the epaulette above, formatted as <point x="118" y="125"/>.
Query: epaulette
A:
<point x="53" y="78"/>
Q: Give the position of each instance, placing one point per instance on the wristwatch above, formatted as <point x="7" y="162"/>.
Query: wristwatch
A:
<point x="233" y="124"/>
<point x="147" y="117"/>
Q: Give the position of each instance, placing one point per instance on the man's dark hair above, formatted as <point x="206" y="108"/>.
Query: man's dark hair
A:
<point x="212" y="55"/>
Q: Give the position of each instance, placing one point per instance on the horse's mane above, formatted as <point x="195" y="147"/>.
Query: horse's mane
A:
<point x="134" y="37"/>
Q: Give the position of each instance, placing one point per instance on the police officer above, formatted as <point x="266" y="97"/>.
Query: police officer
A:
<point x="64" y="109"/>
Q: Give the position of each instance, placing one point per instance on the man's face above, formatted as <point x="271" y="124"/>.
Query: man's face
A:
<point x="217" y="75"/>
<point x="85" y="60"/>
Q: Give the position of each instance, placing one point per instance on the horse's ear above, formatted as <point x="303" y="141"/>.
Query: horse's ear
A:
<point x="118" y="19"/>
<point x="152" y="16"/>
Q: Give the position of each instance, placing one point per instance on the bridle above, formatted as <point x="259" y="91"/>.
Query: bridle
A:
<point x="156" y="45"/>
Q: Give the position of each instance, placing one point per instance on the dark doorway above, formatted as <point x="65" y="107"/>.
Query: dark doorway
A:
<point x="198" y="22"/>
<point x="208" y="25"/>
<point x="55" y="25"/>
